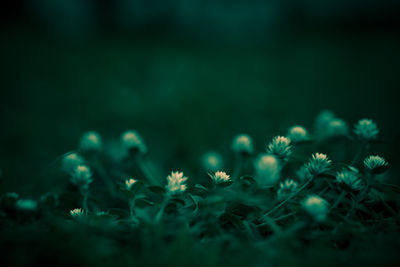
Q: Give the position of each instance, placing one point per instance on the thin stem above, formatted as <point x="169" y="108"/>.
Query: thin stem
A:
<point x="85" y="201"/>
<point x="143" y="167"/>
<point x="360" y="152"/>
<point x="272" y="224"/>
<point x="160" y="213"/>
<point x="237" y="169"/>
<point x="104" y="176"/>
<point x="338" y="200"/>
<point x="132" y="208"/>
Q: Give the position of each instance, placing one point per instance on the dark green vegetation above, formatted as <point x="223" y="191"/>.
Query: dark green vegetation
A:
<point x="190" y="76"/>
<point x="246" y="218"/>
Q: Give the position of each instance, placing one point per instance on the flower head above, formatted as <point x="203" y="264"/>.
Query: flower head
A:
<point x="316" y="207"/>
<point x="129" y="183"/>
<point x="267" y="169"/>
<point x="212" y="161"/>
<point x="366" y="129"/>
<point x="220" y="177"/>
<point x="286" y="188"/>
<point x="327" y="125"/>
<point x="336" y="127"/>
<point x="176" y="183"/>
<point x="71" y="161"/>
<point x="243" y="144"/>
<point x="76" y="213"/>
<point x="297" y="134"/>
<point x="350" y="178"/>
<point x="319" y="164"/>
<point x="82" y="176"/>
<point x="132" y="141"/>
<point x="26" y="205"/>
<point x="280" y="147"/>
<point x="91" y="141"/>
<point x="375" y="164"/>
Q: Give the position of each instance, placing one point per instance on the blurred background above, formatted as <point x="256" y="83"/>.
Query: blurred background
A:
<point x="188" y="75"/>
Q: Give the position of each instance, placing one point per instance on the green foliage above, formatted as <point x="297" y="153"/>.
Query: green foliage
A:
<point x="326" y="217"/>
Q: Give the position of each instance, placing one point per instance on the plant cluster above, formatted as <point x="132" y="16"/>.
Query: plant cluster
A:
<point x="276" y="204"/>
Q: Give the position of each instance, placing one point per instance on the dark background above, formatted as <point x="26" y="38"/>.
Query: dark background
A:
<point x="188" y="75"/>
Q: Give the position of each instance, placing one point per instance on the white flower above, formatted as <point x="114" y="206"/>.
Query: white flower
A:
<point x="243" y="144"/>
<point x="71" y="161"/>
<point x="318" y="164"/>
<point x="375" y="163"/>
<point x="350" y="178"/>
<point x="321" y="122"/>
<point x="220" y="177"/>
<point x="176" y="183"/>
<point x="91" y="141"/>
<point x="297" y="134"/>
<point x="336" y="127"/>
<point x="82" y="176"/>
<point x="366" y="129"/>
<point x="280" y="147"/>
<point x="76" y="213"/>
<point x="316" y="207"/>
<point x="129" y="183"/>
<point x="132" y="141"/>
<point x="267" y="169"/>
<point x="327" y="125"/>
<point x="212" y="161"/>
<point x="26" y="205"/>
<point x="286" y="188"/>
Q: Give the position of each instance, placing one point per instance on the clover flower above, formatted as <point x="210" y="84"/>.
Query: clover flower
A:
<point x="91" y="141"/>
<point x="297" y="134"/>
<point x="71" y="161"/>
<point x="327" y="125"/>
<point x="286" y="188"/>
<point x="267" y="169"/>
<point x="129" y="183"/>
<point x="82" y="176"/>
<point x="280" y="146"/>
<point x="76" y="213"/>
<point x="336" y="127"/>
<point x="375" y="164"/>
<point x="132" y="141"/>
<point x="366" y="129"/>
<point x="350" y="178"/>
<point x="220" y="177"/>
<point x="26" y="205"/>
<point x="316" y="207"/>
<point x="212" y="161"/>
<point x="176" y="183"/>
<point x="319" y="164"/>
<point x="243" y="144"/>
<point x="321" y="122"/>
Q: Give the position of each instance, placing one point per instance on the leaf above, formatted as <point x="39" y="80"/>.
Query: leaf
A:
<point x="143" y="202"/>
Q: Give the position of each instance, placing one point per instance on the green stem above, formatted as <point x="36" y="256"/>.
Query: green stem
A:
<point x="338" y="200"/>
<point x="160" y="213"/>
<point x="132" y="208"/>
<point x="85" y="201"/>
<point x="143" y="168"/>
<point x="238" y="169"/>
<point x="104" y="176"/>
<point x="360" y="152"/>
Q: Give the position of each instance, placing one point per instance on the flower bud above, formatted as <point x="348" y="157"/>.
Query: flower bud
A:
<point x="91" y="142"/>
